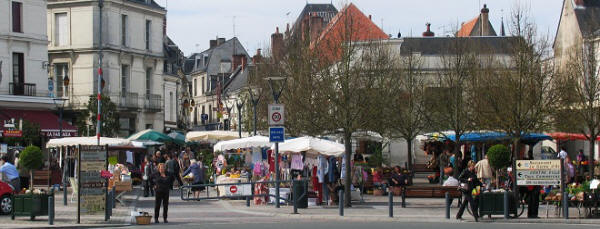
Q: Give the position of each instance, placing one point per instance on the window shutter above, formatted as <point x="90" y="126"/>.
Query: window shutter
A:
<point x="16" y="16"/>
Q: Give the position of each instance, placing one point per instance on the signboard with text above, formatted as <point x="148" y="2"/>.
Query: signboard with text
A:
<point x="12" y="133"/>
<point x="92" y="192"/>
<point x="276" y="115"/>
<point x="276" y="134"/>
<point x="538" y="172"/>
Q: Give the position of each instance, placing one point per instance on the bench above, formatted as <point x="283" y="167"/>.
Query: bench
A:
<point x="433" y="191"/>
<point x="422" y="168"/>
<point x="41" y="177"/>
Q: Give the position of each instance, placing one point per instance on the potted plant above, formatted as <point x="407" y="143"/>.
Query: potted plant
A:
<point x="499" y="158"/>
<point x="32" y="203"/>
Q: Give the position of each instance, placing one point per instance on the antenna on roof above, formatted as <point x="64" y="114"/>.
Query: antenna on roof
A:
<point x="233" y="25"/>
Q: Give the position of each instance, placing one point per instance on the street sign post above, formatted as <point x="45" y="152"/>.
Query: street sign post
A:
<point x="276" y="115"/>
<point x="538" y="172"/>
<point x="276" y="134"/>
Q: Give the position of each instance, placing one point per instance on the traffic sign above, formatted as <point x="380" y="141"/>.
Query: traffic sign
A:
<point x="538" y="172"/>
<point x="276" y="134"/>
<point x="276" y="115"/>
<point x="233" y="189"/>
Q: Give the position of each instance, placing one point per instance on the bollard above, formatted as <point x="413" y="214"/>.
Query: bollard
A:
<point x="109" y="206"/>
<point x="51" y="209"/>
<point x="506" y="205"/>
<point x="448" y="203"/>
<point x="403" y="197"/>
<point x="391" y="202"/>
<point x="295" y="197"/>
<point x="112" y="198"/>
<point x="566" y="205"/>
<point x="341" y="202"/>
<point x="247" y="201"/>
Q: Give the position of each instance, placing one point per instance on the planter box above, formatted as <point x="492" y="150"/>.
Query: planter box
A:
<point x="492" y="203"/>
<point x="31" y="205"/>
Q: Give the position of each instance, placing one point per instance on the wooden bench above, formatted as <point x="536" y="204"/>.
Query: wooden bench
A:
<point x="433" y="191"/>
<point x="41" y="177"/>
<point x="422" y="168"/>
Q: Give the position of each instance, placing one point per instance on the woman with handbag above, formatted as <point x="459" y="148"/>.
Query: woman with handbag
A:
<point x="469" y="181"/>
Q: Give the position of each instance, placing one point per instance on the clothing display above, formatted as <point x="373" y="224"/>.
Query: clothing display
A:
<point x="322" y="168"/>
<point x="256" y="155"/>
<point x="332" y="169"/>
<point x="297" y="163"/>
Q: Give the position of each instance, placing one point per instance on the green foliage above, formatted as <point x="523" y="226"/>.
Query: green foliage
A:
<point x="499" y="156"/>
<point x="31" y="158"/>
<point x="109" y="117"/>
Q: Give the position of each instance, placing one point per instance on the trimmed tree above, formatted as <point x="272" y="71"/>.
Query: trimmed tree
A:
<point x="31" y="159"/>
<point x="499" y="158"/>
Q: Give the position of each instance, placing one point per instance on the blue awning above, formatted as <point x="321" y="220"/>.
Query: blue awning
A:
<point x="497" y="136"/>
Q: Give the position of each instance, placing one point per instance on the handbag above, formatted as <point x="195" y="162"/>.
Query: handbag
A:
<point x="463" y="187"/>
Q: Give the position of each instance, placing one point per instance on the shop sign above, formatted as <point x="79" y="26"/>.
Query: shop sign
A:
<point x="12" y="133"/>
<point x="538" y="172"/>
<point x="92" y="193"/>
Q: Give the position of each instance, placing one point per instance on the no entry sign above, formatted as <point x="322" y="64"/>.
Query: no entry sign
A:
<point x="276" y="114"/>
<point x="233" y="189"/>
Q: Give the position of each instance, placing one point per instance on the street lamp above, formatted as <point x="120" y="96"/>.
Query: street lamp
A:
<point x="239" y="103"/>
<point x="255" y="102"/>
<point x="60" y="104"/>
<point x="275" y="82"/>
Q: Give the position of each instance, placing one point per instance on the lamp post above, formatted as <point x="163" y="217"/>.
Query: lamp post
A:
<point x="276" y="94"/>
<point x="239" y="103"/>
<point x="255" y="102"/>
<point x="60" y="104"/>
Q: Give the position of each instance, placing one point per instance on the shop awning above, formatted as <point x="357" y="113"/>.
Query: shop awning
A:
<point x="562" y="136"/>
<point x="47" y="120"/>
<point x="497" y="136"/>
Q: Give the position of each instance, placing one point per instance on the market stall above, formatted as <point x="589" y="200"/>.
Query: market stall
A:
<point x="212" y="136"/>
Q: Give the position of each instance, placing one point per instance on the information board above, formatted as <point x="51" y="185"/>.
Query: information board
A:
<point x="92" y="187"/>
<point x="538" y="172"/>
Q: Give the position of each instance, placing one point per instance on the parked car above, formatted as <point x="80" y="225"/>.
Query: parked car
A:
<point x="6" y="204"/>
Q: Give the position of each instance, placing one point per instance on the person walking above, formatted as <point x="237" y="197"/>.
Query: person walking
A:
<point x="469" y="181"/>
<point x="484" y="172"/>
<point x="163" y="181"/>
<point x="198" y="176"/>
<point x="149" y="169"/>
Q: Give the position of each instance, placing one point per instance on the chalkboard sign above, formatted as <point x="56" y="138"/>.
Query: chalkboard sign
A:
<point x="92" y="187"/>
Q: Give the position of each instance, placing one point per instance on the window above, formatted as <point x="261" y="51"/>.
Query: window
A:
<point x="124" y="30"/>
<point x="17" y="19"/>
<point x="148" y="81"/>
<point x="18" y="68"/>
<point x="203" y="88"/>
<point x="61" y="32"/>
<point x="195" y="87"/>
<point x="205" y="60"/>
<point x="124" y="79"/>
<point x="148" y="24"/>
<point x="62" y="74"/>
<point x="149" y="126"/>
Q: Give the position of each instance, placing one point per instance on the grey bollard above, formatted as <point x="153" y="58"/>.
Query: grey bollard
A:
<point x="506" y="204"/>
<point x="341" y="202"/>
<point x="566" y="205"/>
<point x="51" y="209"/>
<point x="247" y="201"/>
<point x="391" y="202"/>
<point x="403" y="197"/>
<point x="448" y="203"/>
<point x="112" y="198"/>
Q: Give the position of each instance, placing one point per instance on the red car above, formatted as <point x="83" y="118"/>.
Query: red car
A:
<point x="6" y="193"/>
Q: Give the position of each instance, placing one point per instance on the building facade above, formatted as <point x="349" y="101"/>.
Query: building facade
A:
<point x="132" y="36"/>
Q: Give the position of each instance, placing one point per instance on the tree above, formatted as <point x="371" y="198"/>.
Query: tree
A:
<point x="407" y="108"/>
<point x="109" y="117"/>
<point x="31" y="159"/>
<point x="579" y="86"/>
<point x="517" y="96"/>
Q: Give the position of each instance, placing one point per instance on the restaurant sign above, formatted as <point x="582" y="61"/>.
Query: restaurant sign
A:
<point x="12" y="133"/>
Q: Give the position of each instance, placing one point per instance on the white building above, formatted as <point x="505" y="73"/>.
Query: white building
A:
<point x="133" y="32"/>
<point x="24" y="91"/>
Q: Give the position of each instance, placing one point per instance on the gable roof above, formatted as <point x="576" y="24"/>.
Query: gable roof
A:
<point x="360" y="26"/>
<point x="440" y="45"/>
<point x="472" y="28"/>
<point x="221" y="53"/>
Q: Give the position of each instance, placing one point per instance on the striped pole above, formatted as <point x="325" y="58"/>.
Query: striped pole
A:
<point x="99" y="99"/>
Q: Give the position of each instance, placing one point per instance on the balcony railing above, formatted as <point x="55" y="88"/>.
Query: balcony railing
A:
<point x="25" y="89"/>
<point x="153" y="102"/>
<point x="129" y="100"/>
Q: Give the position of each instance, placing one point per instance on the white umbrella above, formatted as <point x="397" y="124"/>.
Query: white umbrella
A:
<point x="73" y="141"/>
<point x="215" y="135"/>
<point x="313" y="146"/>
<point x="249" y="142"/>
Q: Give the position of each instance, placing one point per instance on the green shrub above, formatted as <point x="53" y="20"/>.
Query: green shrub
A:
<point x="499" y="156"/>
<point x="31" y="158"/>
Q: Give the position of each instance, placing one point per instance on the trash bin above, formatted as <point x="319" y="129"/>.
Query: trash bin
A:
<point x="300" y="193"/>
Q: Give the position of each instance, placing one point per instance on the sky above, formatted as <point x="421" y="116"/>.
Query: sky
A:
<point x="192" y="23"/>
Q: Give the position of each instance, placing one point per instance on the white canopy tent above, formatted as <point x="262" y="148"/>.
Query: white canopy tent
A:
<point x="215" y="135"/>
<point x="312" y="146"/>
<point x="73" y="141"/>
<point x="249" y="142"/>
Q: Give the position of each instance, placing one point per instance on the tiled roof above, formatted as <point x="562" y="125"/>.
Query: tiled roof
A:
<point x="151" y="4"/>
<point x="467" y="27"/>
<point x="326" y="11"/>
<point x="361" y="28"/>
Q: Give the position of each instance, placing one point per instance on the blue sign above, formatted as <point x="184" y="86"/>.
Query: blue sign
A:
<point x="276" y="134"/>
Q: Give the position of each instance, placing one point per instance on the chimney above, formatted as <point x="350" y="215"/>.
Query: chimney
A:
<point x="220" y="41"/>
<point x="485" y="22"/>
<point x="287" y="30"/>
<point x="257" y="57"/>
<point x="213" y="43"/>
<point x="316" y="26"/>
<point x="370" y="17"/>
<point x="243" y="63"/>
<point x="277" y="44"/>
<point x="428" y="33"/>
